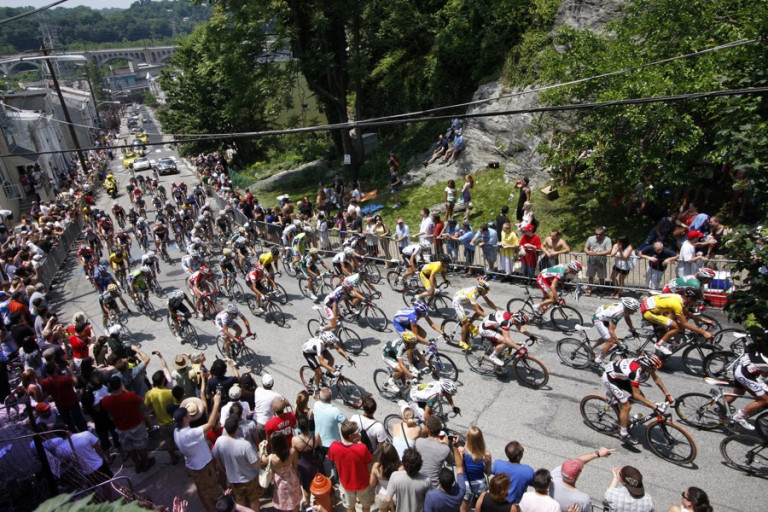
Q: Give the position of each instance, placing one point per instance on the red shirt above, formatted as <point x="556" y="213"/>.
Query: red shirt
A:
<point x="530" y="255"/>
<point x="213" y="434"/>
<point x="79" y="346"/>
<point x="352" y="463"/>
<point x="62" y="390"/>
<point x="283" y="424"/>
<point x="125" y="409"/>
<point x="15" y="305"/>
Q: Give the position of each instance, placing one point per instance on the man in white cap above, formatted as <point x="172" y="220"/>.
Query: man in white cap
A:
<point x="235" y="393"/>
<point x="263" y="398"/>
<point x="193" y="445"/>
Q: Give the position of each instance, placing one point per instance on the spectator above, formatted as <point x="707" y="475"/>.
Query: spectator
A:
<point x="283" y="460"/>
<point x="441" y="147"/>
<point x="62" y="391"/>
<point x="465" y="237"/>
<point x="450" y="235"/>
<point x="693" y="499"/>
<point x="371" y="239"/>
<point x="263" y="398"/>
<point x="158" y="398"/>
<point x="495" y="498"/>
<point x="382" y="235"/>
<point x="395" y="184"/>
<point x="433" y="449"/>
<point x="387" y="462"/>
<point x="127" y="411"/>
<point x="134" y="378"/>
<point x="324" y="241"/>
<point x="538" y="500"/>
<point x="456" y="148"/>
<point x="437" y="233"/>
<point x="528" y="217"/>
<point x="597" y="248"/>
<point x="426" y="231"/>
<point x="282" y="421"/>
<point x="714" y="241"/>
<point x="351" y="458"/>
<point x="530" y="244"/>
<point x="552" y="247"/>
<point x="241" y="465"/>
<point x="407" y="432"/>
<point x="393" y="162"/>
<point x="408" y="488"/>
<point x="235" y="397"/>
<point x="507" y="253"/>
<point x="375" y="429"/>
<point x="449" y="496"/>
<point x="466" y="195"/>
<point x="525" y="196"/>
<point x="86" y="454"/>
<point x="623" y="263"/>
<point x="689" y="254"/>
<point x="193" y="445"/>
<point x="487" y="239"/>
<point x="658" y="258"/>
<point x="502" y="218"/>
<point x="626" y="492"/>
<point x="306" y="442"/>
<point x="564" y="480"/>
<point x="660" y="232"/>
<point x="450" y="198"/>
<point x="327" y="418"/>
<point x="402" y="234"/>
<point x="181" y="375"/>
<point x="477" y="463"/>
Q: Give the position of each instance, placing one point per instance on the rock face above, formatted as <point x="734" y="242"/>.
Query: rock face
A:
<point x="311" y="169"/>
<point x="510" y="140"/>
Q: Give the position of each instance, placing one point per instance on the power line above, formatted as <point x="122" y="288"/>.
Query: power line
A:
<point x="30" y="13"/>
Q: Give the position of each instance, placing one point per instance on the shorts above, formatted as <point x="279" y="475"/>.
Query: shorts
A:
<point x="491" y="335"/>
<point x="166" y="434"/>
<point x="596" y="269"/>
<point x="475" y="488"/>
<point x="337" y="268"/>
<point x="392" y="363"/>
<point x="621" y="390"/>
<point x="305" y="270"/>
<point x="406" y="259"/>
<point x="602" y="329"/>
<point x="206" y="481"/>
<point x="620" y="271"/>
<point x="751" y="385"/>
<point x="312" y="359"/>
<point x="134" y="438"/>
<point x="247" y="494"/>
<point x="425" y="280"/>
<point x="460" y="309"/>
<point x="400" y="328"/>
<point x="228" y="267"/>
<point x="349" y="498"/>
<point x="544" y="285"/>
<point x="328" y="311"/>
<point x="657" y="318"/>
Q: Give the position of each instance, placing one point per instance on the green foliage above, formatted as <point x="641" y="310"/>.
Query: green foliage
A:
<point x="150" y="100"/>
<point x="748" y="305"/>
<point x="83" y="27"/>
<point x="61" y="503"/>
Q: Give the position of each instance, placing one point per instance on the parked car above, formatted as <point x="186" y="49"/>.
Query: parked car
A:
<point x="167" y="166"/>
<point x="142" y="164"/>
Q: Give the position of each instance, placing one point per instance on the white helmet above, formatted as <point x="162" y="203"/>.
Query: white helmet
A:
<point x="145" y="269"/>
<point x="349" y="251"/>
<point x="232" y="309"/>
<point x="448" y="386"/>
<point x="114" y="330"/>
<point x="150" y="254"/>
<point x="329" y="338"/>
<point x="177" y="295"/>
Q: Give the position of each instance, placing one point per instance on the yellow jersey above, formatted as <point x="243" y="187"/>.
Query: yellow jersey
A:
<point x="266" y="259"/>
<point x="430" y="269"/>
<point x="664" y="303"/>
<point x="471" y="295"/>
<point x="115" y="260"/>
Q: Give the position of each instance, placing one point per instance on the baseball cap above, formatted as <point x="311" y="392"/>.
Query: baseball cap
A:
<point x="633" y="481"/>
<point x="179" y="414"/>
<point x="267" y="381"/>
<point x="234" y="392"/>
<point x="528" y="228"/>
<point x="571" y="469"/>
<point x="693" y="234"/>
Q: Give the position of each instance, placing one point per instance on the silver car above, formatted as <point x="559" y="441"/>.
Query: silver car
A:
<point x="141" y="164"/>
<point x="166" y="166"/>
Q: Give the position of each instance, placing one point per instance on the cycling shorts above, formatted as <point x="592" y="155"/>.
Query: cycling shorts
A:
<point x="231" y="325"/>
<point x="337" y="268"/>
<point x="492" y="335"/>
<point x="425" y="281"/>
<point x="602" y="329"/>
<point x="657" y="318"/>
<point x="228" y="267"/>
<point x="620" y="389"/>
<point x="141" y="284"/>
<point x="746" y="381"/>
<point x="392" y="363"/>
<point x="544" y="285"/>
<point x="110" y="304"/>
<point x="400" y="328"/>
<point x="181" y="308"/>
<point x="407" y="259"/>
<point x="312" y="359"/>
<point x="461" y="311"/>
<point x="306" y="268"/>
<point x="328" y="311"/>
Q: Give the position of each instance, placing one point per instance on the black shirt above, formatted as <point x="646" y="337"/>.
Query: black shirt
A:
<point x="666" y="253"/>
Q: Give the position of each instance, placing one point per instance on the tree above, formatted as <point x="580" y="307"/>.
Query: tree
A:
<point x="748" y="305"/>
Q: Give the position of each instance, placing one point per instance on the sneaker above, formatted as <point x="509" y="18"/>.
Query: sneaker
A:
<point x="179" y="339"/>
<point x="664" y="350"/>
<point x="599" y="360"/>
<point x="743" y="421"/>
<point x="392" y="386"/>
<point x="629" y="440"/>
<point x="355" y="311"/>
<point x="259" y="311"/>
<point x="464" y="345"/>
<point x="313" y="296"/>
<point x="495" y="360"/>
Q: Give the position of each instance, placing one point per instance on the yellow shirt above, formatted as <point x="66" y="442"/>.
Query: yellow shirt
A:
<point x="266" y="259"/>
<point x="158" y="399"/>
<point x="665" y="303"/>
<point x="508" y="238"/>
<point x="435" y="267"/>
<point x="115" y="261"/>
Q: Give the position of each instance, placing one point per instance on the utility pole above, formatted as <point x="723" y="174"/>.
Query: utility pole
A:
<point x="68" y="119"/>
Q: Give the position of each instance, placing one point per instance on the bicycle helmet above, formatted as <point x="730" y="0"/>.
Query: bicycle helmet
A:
<point x="177" y="295"/>
<point x="227" y="252"/>
<point x="420" y="307"/>
<point x="145" y="269"/>
<point x="329" y="338"/>
<point x="520" y="317"/>
<point x="101" y="268"/>
<point x="445" y="259"/>
<point x="89" y="230"/>
<point x="241" y="229"/>
<point x="194" y="254"/>
<point x="448" y="386"/>
<point x="110" y="177"/>
<point x="705" y="274"/>
<point x="482" y="285"/>
<point x="131" y="208"/>
<point x="649" y="361"/>
<point x="313" y="252"/>
<point x="114" y="330"/>
<point x="275" y="251"/>
<point x="506" y="316"/>
<point x="408" y="337"/>
<point x="246" y="225"/>
<point x="112" y="287"/>
<point x="575" y="266"/>
<point x="349" y="251"/>
<point x="297" y="223"/>
<point x="150" y="254"/>
<point x="691" y="293"/>
<point x="232" y="309"/>
<point x="222" y="213"/>
<point x="630" y="304"/>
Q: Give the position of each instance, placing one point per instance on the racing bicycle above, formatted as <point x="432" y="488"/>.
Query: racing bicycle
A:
<point x="370" y="314"/>
<point x="710" y="411"/>
<point x="240" y="351"/>
<point x="350" y="393"/>
<point x="271" y="310"/>
<point x="530" y="372"/>
<point x="350" y="340"/>
<point x="564" y="318"/>
<point x="186" y="332"/>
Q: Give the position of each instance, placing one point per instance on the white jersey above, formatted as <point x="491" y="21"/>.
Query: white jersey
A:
<point x="423" y="392"/>
<point x="410" y="250"/>
<point x="339" y="257"/>
<point x="224" y="319"/>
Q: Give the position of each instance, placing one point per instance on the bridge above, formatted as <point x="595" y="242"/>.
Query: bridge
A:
<point x="147" y="54"/>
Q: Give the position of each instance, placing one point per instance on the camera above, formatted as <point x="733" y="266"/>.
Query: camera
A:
<point x="450" y="439"/>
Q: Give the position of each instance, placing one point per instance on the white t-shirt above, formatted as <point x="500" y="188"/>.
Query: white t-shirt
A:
<point x="192" y="444"/>
<point x="533" y="502"/>
<point x="262" y="404"/>
<point x="376" y="431"/>
<point x="225" y="411"/>
<point x="83" y="443"/>
<point x="687" y="253"/>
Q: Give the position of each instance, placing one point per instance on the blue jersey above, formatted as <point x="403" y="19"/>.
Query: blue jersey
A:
<point x="404" y="318"/>
<point x="102" y="280"/>
<point x="335" y="296"/>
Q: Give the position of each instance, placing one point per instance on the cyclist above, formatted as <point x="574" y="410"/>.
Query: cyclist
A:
<point x="132" y="216"/>
<point x="289" y="232"/>
<point x="142" y="231"/>
<point x="108" y="302"/>
<point x="308" y="266"/>
<point x="607" y="317"/>
<point x="469" y="297"/>
<point x="102" y="278"/>
<point x="119" y="213"/>
<point x="227" y="267"/>
<point x="331" y="303"/>
<point x="140" y="205"/>
<point x="343" y="262"/>
<point x="749" y="372"/>
<point x="191" y="262"/>
<point x="177" y="194"/>
<point x="495" y="328"/>
<point x="119" y="262"/>
<point x="298" y="247"/>
<point x="268" y="260"/>
<point x="398" y="354"/>
<point x="354" y="281"/>
<point x="409" y="254"/>
<point x="200" y="284"/>
<point x="622" y="379"/>
<point x="240" y="246"/>
<point x="223" y="224"/>
<point x="140" y="280"/>
<point x="318" y="357"/>
<point x="697" y="281"/>
<point x="408" y="319"/>
<point x="425" y="396"/>
<point x="93" y="239"/>
<point x="151" y="260"/>
<point x="160" y="235"/>
<point x="226" y="322"/>
<point x="122" y="239"/>
<point x="670" y="311"/>
<point x="549" y="279"/>
<point x="428" y="275"/>
<point x="106" y="229"/>
<point x="256" y="279"/>
<point x="176" y="307"/>
<point x="87" y="259"/>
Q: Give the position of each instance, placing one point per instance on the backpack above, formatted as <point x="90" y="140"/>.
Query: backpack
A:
<point x="364" y="437"/>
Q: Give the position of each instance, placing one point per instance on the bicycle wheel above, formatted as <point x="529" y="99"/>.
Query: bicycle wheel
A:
<point x="671" y="442"/>
<point x="453" y="329"/>
<point x="525" y="306"/>
<point x="220" y="345"/>
<point x="574" y="353"/>
<point x="350" y="392"/>
<point x="373" y="272"/>
<point x="276" y="314"/>
<point x="380" y="378"/>
<point x="314" y="325"/>
<point x="238" y="292"/>
<point x="396" y="281"/>
<point x="149" y="309"/>
<point x="249" y="358"/>
<point x="289" y="268"/>
<point x="280" y="294"/>
<point x="409" y="296"/>
<point x="717" y="364"/>
<point x="252" y="305"/>
<point x="307" y="376"/>
<point x="700" y="411"/>
<point x="350" y="340"/>
<point x="565" y="318"/>
<point x="694" y="355"/>
<point x="375" y="318"/>
<point x="761" y="424"/>
<point x="599" y="414"/>
<point x="444" y="367"/>
<point x="303" y="286"/>
<point x="189" y="335"/>
<point x="477" y="359"/>
<point x="731" y="339"/>
<point x="442" y="306"/>
<point x="530" y="372"/>
<point x="746" y="453"/>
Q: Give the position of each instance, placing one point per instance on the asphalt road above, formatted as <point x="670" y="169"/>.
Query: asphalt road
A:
<point x="546" y="421"/>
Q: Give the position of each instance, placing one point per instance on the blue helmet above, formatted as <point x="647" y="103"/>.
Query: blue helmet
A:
<point x="420" y="307"/>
